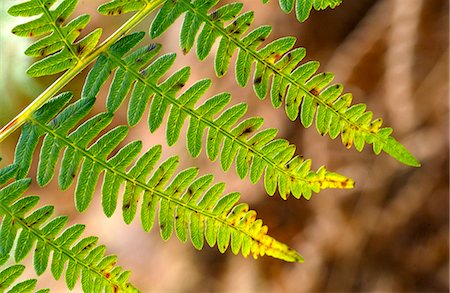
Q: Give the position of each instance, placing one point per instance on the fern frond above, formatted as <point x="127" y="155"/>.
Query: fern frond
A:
<point x="305" y="93"/>
<point x="303" y="7"/>
<point x="58" y="46"/>
<point x="186" y="202"/>
<point x="8" y="277"/>
<point x="258" y="154"/>
<point x="26" y="227"/>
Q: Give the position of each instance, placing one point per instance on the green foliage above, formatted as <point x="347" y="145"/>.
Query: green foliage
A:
<point x="90" y="150"/>
<point x="27" y="227"/>
<point x="303" y="7"/>
<point x="116" y="7"/>
<point x="198" y="205"/>
<point x="305" y="93"/>
<point x="10" y="274"/>
<point x="258" y="154"/>
<point x="58" y="46"/>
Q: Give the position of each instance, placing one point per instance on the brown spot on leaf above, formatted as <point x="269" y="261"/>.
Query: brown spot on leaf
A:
<point x="79" y="49"/>
<point x="247" y="130"/>
<point x="314" y="91"/>
<point x="59" y="20"/>
<point x="276" y="57"/>
<point x="214" y="15"/>
<point x="42" y="52"/>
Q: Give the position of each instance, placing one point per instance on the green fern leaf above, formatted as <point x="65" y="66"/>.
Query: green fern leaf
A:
<point x="112" y="182"/>
<point x="117" y="7"/>
<point x="169" y="12"/>
<point x="175" y="194"/>
<point x="305" y="93"/>
<point x="90" y="170"/>
<point x="7" y="173"/>
<point x="10" y="274"/>
<point x="28" y="228"/>
<point x="227" y="137"/>
<point x="303" y="7"/>
<point x="58" y="46"/>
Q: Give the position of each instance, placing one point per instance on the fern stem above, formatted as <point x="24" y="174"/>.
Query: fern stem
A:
<point x="143" y="185"/>
<point x="67" y="252"/>
<point x="54" y="88"/>
<point x="270" y="65"/>
<point x="208" y="122"/>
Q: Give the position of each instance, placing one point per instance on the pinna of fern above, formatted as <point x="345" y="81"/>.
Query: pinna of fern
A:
<point x="191" y="205"/>
<point x="258" y="154"/>
<point x="8" y="277"/>
<point x="26" y="226"/>
<point x="57" y="45"/>
<point x="305" y="93"/>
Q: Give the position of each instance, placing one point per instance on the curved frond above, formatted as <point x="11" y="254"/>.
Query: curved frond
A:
<point x="28" y="227"/>
<point x="186" y="202"/>
<point x="9" y="275"/>
<point x="57" y="36"/>
<point x="254" y="151"/>
<point x="278" y="71"/>
<point x="303" y="7"/>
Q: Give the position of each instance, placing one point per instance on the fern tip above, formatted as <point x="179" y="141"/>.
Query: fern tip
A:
<point x="400" y="153"/>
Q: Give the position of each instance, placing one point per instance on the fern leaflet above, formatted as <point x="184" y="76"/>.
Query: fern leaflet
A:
<point x="58" y="45"/>
<point x="26" y="227"/>
<point x="199" y="207"/>
<point x="117" y="7"/>
<point x="253" y="155"/>
<point x="8" y="277"/>
<point x="303" y="7"/>
<point x="305" y="93"/>
<point x="7" y="173"/>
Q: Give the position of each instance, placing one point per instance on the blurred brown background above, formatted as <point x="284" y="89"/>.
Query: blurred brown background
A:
<point x="389" y="234"/>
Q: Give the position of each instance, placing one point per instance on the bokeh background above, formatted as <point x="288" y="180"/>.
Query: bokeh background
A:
<point x="389" y="234"/>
